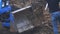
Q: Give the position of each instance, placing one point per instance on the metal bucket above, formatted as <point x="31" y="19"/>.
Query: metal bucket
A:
<point x="22" y="20"/>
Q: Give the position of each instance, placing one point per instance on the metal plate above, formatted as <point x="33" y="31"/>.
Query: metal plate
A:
<point x="21" y="21"/>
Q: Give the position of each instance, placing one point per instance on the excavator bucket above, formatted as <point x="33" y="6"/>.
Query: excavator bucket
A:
<point x="22" y="20"/>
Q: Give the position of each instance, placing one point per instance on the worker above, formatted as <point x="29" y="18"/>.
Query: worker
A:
<point x="6" y="23"/>
<point x="5" y="14"/>
<point x="55" y="13"/>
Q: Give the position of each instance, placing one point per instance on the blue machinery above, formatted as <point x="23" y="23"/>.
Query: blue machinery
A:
<point x="5" y="15"/>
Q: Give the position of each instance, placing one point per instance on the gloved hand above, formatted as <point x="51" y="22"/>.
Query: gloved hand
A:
<point x="6" y="24"/>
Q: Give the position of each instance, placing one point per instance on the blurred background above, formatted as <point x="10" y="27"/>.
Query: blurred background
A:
<point x="36" y="17"/>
